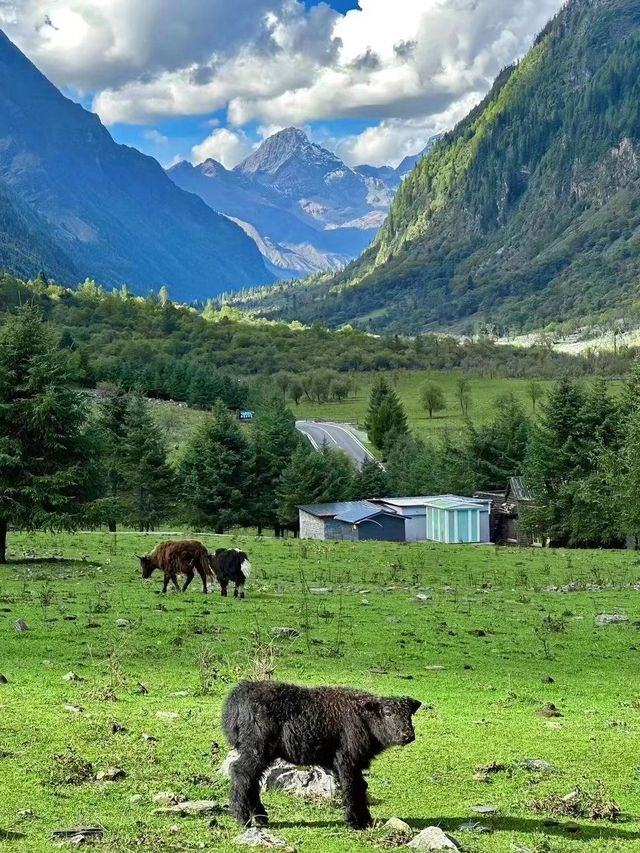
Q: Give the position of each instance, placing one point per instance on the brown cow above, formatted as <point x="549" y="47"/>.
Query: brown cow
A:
<point x="178" y="558"/>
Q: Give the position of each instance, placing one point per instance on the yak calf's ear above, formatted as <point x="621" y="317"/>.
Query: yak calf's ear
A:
<point x="138" y="557"/>
<point x="374" y="706"/>
<point x="413" y="704"/>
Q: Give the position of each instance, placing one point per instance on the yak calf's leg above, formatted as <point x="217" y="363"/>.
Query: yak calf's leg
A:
<point x="189" y="575"/>
<point x="166" y="583"/>
<point x="239" y="590"/>
<point x="223" y="588"/>
<point x="354" y="792"/>
<point x="246" y="804"/>
<point x="174" y="581"/>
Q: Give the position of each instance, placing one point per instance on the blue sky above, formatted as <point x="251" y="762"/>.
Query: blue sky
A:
<point x="371" y="80"/>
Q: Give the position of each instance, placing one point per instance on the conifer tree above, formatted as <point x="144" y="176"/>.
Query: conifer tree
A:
<point x="216" y="474"/>
<point x="275" y="441"/>
<point x="386" y="419"/>
<point x="412" y="468"/>
<point x="311" y="477"/>
<point x="149" y="480"/>
<point x="498" y="449"/>
<point x="370" y="481"/>
<point x="112" y="427"/>
<point x="46" y="479"/>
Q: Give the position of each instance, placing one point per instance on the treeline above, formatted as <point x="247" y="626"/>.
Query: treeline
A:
<point x="66" y="463"/>
<point x="579" y="456"/>
<point x="158" y="349"/>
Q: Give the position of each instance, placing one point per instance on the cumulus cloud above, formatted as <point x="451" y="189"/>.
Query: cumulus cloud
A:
<point x="154" y="135"/>
<point x="277" y="62"/>
<point x="226" y="146"/>
<point x="390" y="141"/>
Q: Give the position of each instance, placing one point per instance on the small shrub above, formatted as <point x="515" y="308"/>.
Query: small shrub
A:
<point x="69" y="768"/>
<point x="594" y="805"/>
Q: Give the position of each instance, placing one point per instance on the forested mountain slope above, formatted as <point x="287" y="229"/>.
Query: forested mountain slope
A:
<point x="107" y="208"/>
<point x="527" y="212"/>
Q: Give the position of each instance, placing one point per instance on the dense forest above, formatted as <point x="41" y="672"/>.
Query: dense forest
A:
<point x="528" y="212"/>
<point x="161" y="349"/>
<point x="65" y="464"/>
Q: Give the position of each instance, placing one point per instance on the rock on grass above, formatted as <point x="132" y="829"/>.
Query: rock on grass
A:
<point x="610" y="619"/>
<point x="433" y="838"/>
<point x="260" y="838"/>
<point x="190" y="808"/>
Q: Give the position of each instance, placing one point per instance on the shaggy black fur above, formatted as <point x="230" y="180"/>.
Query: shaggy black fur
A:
<point x="332" y="727"/>
<point x="230" y="566"/>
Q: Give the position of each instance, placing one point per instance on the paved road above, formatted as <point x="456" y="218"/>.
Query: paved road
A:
<point x="334" y="435"/>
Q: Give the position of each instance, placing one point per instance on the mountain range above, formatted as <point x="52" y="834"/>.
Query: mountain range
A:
<point x="74" y="203"/>
<point x="306" y="209"/>
<point x="527" y="213"/>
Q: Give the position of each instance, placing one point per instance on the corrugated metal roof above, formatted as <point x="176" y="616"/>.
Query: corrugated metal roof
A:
<point x="441" y="501"/>
<point x="447" y="502"/>
<point x="339" y="508"/>
<point x="358" y="514"/>
<point x="519" y="490"/>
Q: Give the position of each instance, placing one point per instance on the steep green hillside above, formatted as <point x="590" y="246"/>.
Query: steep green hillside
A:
<point x="25" y="245"/>
<point x="528" y="212"/>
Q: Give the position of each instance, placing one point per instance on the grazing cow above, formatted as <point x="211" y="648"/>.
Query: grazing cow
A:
<point x="336" y="728"/>
<point x="230" y="565"/>
<point x="177" y="558"/>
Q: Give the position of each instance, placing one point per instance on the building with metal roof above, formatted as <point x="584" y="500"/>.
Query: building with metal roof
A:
<point x="443" y="518"/>
<point x="351" y="520"/>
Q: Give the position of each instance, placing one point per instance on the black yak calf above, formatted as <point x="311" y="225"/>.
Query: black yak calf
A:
<point x="336" y="728"/>
<point x="183" y="557"/>
<point x="230" y="566"/>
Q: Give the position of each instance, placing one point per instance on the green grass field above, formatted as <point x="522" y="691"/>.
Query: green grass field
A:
<point x="489" y="623"/>
<point x="408" y="385"/>
<point x="178" y="423"/>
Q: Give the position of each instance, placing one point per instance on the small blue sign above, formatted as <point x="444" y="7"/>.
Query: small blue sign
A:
<point x="245" y="415"/>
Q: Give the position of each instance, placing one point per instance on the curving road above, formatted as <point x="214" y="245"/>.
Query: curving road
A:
<point x="334" y="435"/>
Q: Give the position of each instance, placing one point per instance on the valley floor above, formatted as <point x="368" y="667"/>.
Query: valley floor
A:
<point x="479" y="649"/>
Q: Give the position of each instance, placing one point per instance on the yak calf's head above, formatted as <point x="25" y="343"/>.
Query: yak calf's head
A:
<point x="390" y="720"/>
<point x="146" y="564"/>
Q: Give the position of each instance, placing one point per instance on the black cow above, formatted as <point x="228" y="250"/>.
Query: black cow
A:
<point x="336" y="728"/>
<point x="230" y="565"/>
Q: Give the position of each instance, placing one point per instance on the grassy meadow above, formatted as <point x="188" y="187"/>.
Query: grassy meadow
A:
<point x="408" y="385"/>
<point x="480" y="650"/>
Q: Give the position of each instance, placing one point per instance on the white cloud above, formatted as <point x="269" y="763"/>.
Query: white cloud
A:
<point x="226" y="146"/>
<point x="154" y="135"/>
<point x="277" y="63"/>
<point x="389" y="142"/>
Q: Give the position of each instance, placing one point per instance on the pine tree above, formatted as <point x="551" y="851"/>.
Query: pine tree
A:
<point x="216" y="474"/>
<point x="558" y="456"/>
<point x="46" y="478"/>
<point x="112" y="427"/>
<point x="311" y="477"/>
<point x="498" y="449"/>
<point x="275" y="440"/>
<point x="370" y="481"/>
<point x="386" y="419"/>
<point x="629" y="481"/>
<point x="149" y="479"/>
<point x="413" y="468"/>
